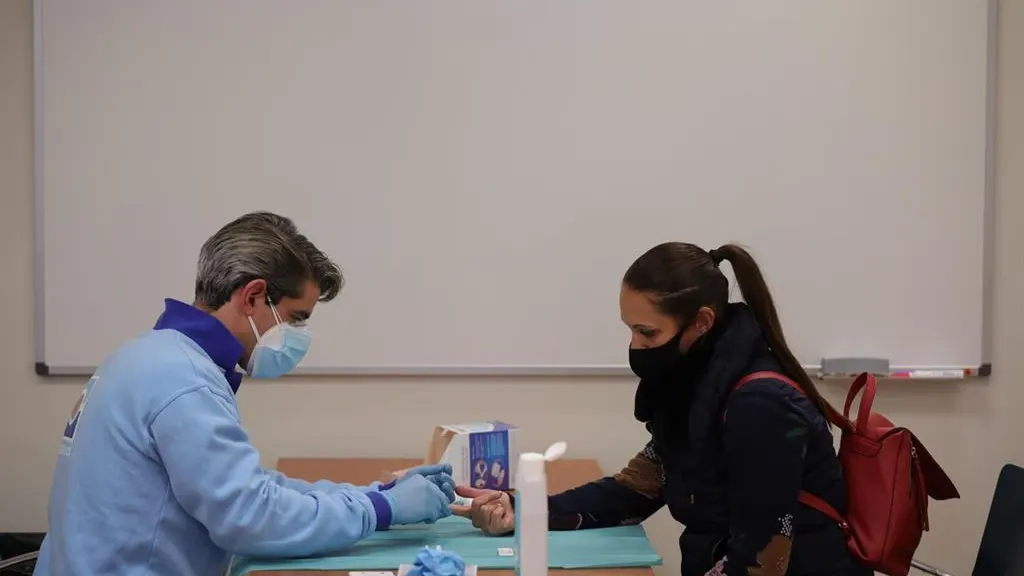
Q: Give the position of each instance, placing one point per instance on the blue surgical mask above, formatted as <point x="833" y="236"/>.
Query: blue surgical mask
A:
<point x="278" y="350"/>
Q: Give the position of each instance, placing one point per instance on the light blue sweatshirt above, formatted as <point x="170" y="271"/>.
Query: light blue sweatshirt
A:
<point x="156" y="474"/>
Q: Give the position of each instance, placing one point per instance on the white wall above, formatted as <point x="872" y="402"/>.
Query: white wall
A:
<point x="972" y="427"/>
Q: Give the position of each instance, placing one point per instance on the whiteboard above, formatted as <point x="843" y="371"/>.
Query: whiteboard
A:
<point x="485" y="172"/>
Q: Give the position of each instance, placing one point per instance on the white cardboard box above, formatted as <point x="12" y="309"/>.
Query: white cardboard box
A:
<point x="482" y="454"/>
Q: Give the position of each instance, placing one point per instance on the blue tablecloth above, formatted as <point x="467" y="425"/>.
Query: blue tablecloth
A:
<point x="621" y="547"/>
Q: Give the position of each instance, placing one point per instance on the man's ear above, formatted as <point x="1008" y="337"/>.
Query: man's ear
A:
<point x="252" y="293"/>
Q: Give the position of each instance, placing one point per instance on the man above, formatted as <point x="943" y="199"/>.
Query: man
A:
<point x="156" y="474"/>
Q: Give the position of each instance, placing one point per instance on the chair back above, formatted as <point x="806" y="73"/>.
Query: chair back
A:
<point x="1002" y="544"/>
<point x="22" y="564"/>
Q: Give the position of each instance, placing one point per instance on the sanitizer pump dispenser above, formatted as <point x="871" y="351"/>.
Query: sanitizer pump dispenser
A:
<point x="531" y="535"/>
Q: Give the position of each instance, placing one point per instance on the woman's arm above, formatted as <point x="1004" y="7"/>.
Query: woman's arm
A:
<point x="765" y="441"/>
<point x="629" y="497"/>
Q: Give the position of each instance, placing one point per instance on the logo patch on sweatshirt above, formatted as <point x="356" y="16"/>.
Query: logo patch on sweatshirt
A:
<point x="76" y="416"/>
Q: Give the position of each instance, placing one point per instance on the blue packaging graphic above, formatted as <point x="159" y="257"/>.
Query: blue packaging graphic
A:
<point x="489" y="455"/>
<point x="483" y="454"/>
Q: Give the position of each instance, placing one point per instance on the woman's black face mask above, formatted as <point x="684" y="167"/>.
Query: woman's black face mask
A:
<point x="652" y="362"/>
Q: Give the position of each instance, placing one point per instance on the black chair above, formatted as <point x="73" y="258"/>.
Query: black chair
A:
<point x="21" y="564"/>
<point x="1001" y="552"/>
<point x="18" y="552"/>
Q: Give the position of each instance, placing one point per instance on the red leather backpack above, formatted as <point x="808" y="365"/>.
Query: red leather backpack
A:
<point x="889" y="476"/>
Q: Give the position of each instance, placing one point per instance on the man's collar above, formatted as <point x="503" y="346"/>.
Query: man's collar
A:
<point x="208" y="332"/>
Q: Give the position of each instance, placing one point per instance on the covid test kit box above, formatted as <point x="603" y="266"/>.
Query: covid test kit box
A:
<point x="482" y="454"/>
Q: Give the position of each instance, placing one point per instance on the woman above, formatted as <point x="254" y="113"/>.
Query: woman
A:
<point x="733" y="482"/>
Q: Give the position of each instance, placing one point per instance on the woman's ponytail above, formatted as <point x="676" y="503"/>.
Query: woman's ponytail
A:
<point x="759" y="298"/>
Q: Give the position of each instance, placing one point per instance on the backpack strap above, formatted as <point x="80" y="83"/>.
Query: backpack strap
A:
<point x="833" y="416"/>
<point x="805" y="498"/>
<point x="764" y="375"/>
<point x="808" y="499"/>
<point x="768" y="375"/>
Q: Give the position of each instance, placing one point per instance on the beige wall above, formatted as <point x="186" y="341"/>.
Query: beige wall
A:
<point x="972" y="427"/>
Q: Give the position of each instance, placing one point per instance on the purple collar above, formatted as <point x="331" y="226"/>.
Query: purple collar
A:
<point x="206" y="331"/>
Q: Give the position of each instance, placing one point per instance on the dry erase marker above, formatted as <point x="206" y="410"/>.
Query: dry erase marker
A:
<point x="929" y="374"/>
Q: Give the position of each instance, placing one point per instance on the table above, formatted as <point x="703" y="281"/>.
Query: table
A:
<point x="562" y="475"/>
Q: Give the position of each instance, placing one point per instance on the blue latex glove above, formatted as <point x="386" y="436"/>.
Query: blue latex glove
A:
<point x="439" y="474"/>
<point x="437" y="562"/>
<point x="414" y="499"/>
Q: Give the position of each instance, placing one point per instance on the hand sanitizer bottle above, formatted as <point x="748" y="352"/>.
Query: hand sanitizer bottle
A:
<point x="531" y="536"/>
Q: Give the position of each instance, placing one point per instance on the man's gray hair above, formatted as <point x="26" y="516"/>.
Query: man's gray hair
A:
<point x="262" y="245"/>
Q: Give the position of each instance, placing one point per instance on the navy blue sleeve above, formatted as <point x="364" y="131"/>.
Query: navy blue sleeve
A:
<point x="629" y="497"/>
<point x="765" y="441"/>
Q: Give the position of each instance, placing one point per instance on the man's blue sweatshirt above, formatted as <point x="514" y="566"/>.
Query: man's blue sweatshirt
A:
<point x="156" y="474"/>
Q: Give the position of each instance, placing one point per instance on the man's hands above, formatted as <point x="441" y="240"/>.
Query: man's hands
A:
<point x="415" y="498"/>
<point x="439" y="474"/>
<point x="491" y="510"/>
<point x="418" y="491"/>
<point x="421" y="494"/>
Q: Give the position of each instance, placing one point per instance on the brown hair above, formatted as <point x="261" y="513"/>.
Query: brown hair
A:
<point x="681" y="278"/>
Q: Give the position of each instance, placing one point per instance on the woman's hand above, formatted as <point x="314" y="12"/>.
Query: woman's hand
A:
<point x="491" y="510"/>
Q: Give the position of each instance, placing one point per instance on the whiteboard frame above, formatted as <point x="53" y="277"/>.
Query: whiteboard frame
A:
<point x="985" y="369"/>
<point x="609" y="371"/>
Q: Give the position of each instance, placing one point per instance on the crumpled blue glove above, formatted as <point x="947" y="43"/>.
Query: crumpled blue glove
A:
<point x="437" y="562"/>
<point x="439" y="474"/>
<point x="415" y="498"/>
